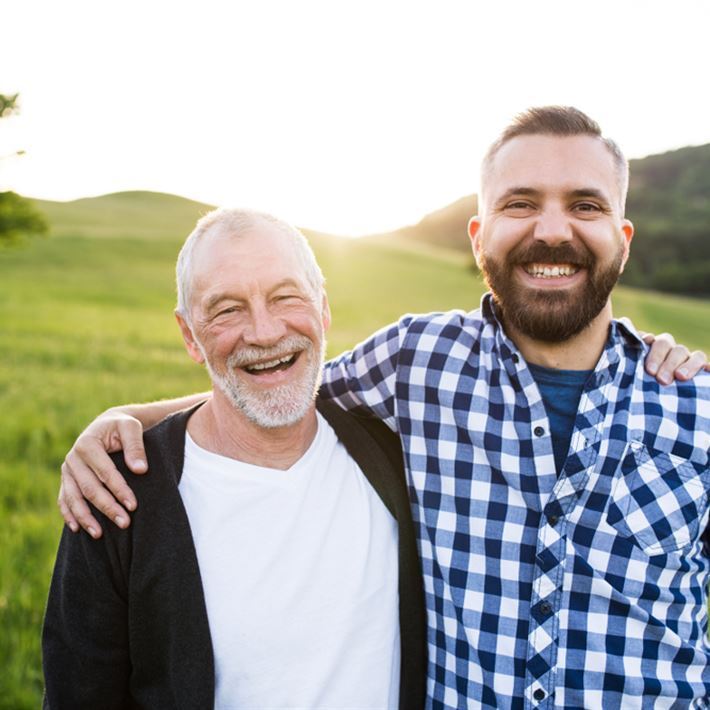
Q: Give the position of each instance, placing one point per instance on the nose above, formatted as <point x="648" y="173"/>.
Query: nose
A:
<point x="264" y="329"/>
<point x="553" y="227"/>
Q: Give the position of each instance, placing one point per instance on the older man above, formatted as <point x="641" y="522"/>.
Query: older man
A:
<point x="560" y="492"/>
<point x="273" y="562"/>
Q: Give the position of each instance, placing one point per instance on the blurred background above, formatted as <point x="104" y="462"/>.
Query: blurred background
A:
<point x="120" y="124"/>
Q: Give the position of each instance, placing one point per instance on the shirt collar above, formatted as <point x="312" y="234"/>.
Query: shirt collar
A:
<point x="622" y="336"/>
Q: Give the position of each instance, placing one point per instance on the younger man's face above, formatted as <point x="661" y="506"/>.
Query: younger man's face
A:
<point x="551" y="240"/>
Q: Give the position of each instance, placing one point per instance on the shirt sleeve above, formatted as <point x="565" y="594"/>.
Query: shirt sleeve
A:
<point x="85" y="635"/>
<point x="364" y="379"/>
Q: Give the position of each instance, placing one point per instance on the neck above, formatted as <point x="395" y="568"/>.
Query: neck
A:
<point x="580" y="352"/>
<point x="221" y="428"/>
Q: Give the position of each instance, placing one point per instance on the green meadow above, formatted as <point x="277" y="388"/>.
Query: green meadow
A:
<point x="86" y="322"/>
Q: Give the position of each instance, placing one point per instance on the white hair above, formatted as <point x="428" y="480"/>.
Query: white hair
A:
<point x="236" y="223"/>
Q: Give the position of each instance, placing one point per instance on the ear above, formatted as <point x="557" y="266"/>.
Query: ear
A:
<point x="193" y="349"/>
<point x="474" y="234"/>
<point x="325" y="312"/>
<point x="627" y="232"/>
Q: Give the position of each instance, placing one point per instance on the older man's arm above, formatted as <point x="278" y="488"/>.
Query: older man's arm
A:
<point x="88" y="474"/>
<point x="85" y="654"/>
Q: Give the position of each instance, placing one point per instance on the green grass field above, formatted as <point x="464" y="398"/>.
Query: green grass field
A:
<point x="86" y="322"/>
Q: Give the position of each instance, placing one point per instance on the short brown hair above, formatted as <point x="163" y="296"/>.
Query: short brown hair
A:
<point x="558" y="121"/>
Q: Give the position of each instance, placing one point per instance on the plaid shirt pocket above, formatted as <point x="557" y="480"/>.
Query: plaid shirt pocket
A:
<point x="658" y="500"/>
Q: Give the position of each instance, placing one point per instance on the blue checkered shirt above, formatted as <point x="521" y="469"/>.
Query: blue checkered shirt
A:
<point x="583" y="590"/>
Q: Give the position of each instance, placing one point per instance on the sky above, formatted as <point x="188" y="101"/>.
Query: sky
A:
<point x="351" y="118"/>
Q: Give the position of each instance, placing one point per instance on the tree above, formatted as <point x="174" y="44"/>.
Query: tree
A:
<point x="18" y="217"/>
<point x="8" y="105"/>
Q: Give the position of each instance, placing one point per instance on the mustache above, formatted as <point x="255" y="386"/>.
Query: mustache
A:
<point x="537" y="252"/>
<point x="252" y="354"/>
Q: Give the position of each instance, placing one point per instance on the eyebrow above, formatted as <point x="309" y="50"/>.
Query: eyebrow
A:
<point x="286" y="283"/>
<point x="590" y="192"/>
<point x="532" y="192"/>
<point x="212" y="301"/>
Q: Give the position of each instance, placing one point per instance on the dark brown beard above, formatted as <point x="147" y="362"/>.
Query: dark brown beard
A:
<point x="551" y="316"/>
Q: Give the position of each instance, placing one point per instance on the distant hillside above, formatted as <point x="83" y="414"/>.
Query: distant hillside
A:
<point x="445" y="227"/>
<point x="130" y="215"/>
<point x="669" y="203"/>
<point x="133" y="215"/>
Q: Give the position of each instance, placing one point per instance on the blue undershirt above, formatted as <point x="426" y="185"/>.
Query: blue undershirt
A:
<point x="561" y="391"/>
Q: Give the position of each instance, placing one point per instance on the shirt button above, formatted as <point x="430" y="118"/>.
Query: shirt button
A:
<point x="538" y="431"/>
<point x="545" y="608"/>
<point x="515" y="358"/>
<point x="553" y="520"/>
<point x="539" y="694"/>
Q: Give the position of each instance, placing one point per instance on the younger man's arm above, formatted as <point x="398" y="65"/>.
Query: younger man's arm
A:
<point x="88" y="473"/>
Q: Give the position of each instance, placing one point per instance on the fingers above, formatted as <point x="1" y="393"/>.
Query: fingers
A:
<point x="661" y="346"/>
<point x="668" y="361"/>
<point x="696" y="362"/>
<point x="673" y="361"/>
<point x="89" y="473"/>
<point x="91" y="466"/>
<point x="130" y="432"/>
<point x="79" y="482"/>
<point x="69" y="519"/>
<point x="74" y="507"/>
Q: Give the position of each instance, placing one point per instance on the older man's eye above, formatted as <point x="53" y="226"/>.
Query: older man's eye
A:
<point x="518" y="205"/>
<point x="227" y="311"/>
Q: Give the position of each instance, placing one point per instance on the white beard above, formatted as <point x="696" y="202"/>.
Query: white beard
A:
<point x="280" y="406"/>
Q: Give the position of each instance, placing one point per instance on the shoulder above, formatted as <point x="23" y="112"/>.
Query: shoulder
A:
<point x="694" y="392"/>
<point x="355" y="430"/>
<point x="164" y="446"/>
<point x="675" y="417"/>
<point x="440" y="320"/>
<point x="432" y="331"/>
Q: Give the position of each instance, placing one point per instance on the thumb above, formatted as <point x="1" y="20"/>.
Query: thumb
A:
<point x="131" y="434"/>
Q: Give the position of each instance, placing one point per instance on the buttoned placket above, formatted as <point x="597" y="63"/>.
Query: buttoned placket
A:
<point x="551" y="558"/>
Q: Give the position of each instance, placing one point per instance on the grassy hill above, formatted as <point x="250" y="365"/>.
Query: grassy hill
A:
<point x="87" y="322"/>
<point x="669" y="203"/>
<point x="129" y="215"/>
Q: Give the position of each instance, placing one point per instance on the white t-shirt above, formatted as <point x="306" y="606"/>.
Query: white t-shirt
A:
<point x="300" y="574"/>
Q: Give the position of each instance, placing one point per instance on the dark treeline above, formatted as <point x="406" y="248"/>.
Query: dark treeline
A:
<point x="669" y="204"/>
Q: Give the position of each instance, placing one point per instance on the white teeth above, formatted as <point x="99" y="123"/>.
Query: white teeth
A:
<point x="271" y="363"/>
<point x="540" y="271"/>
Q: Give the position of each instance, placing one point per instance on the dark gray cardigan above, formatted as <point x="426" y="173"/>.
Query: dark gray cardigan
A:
<point x="126" y="624"/>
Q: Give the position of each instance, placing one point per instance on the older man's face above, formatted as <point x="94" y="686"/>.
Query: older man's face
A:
<point x="551" y="240"/>
<point x="258" y="325"/>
